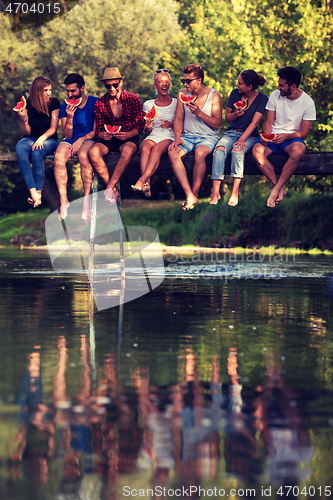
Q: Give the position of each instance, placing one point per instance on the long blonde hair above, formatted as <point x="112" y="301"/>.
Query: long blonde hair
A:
<point x="37" y="96"/>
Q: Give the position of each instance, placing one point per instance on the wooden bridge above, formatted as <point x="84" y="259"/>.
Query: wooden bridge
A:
<point x="312" y="163"/>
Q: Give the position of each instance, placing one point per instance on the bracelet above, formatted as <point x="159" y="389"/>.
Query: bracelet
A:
<point x="24" y="121"/>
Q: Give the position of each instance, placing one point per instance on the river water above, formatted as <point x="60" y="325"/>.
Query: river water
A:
<point x="218" y="382"/>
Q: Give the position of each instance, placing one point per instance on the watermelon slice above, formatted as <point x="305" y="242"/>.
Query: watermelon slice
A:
<point x="152" y="114"/>
<point x="268" y="137"/>
<point x="21" y="104"/>
<point x="185" y="99"/>
<point x="112" y="129"/>
<point x="73" y="102"/>
<point x="241" y="104"/>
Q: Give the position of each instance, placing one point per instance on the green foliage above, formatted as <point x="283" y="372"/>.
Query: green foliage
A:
<point x="226" y="37"/>
<point x="92" y="36"/>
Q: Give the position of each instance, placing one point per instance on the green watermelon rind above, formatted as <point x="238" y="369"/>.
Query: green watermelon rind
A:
<point x="152" y="114"/>
<point x="21" y="101"/>
<point x="114" y="129"/>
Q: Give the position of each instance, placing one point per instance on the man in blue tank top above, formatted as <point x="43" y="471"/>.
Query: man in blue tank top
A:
<point x="77" y="123"/>
<point x="196" y="127"/>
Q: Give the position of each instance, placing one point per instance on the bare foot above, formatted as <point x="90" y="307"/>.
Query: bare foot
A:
<point x="35" y="197"/>
<point x="191" y="200"/>
<point x="282" y="193"/>
<point x="215" y="199"/>
<point x="86" y="210"/>
<point x="111" y="194"/>
<point x="233" y="200"/>
<point x="63" y="211"/>
<point x="146" y="190"/>
<point x="272" y="199"/>
<point x="138" y="186"/>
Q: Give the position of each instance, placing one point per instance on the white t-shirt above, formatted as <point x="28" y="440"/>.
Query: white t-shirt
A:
<point x="290" y="114"/>
<point x="158" y="133"/>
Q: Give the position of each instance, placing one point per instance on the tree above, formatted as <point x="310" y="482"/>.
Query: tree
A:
<point x="95" y="34"/>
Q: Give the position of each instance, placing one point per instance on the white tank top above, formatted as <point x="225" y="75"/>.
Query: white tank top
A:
<point x="195" y="126"/>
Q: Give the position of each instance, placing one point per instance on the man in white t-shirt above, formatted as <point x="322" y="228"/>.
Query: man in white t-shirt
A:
<point x="290" y="113"/>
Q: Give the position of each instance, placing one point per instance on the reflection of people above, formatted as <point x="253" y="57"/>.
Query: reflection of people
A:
<point x="279" y="419"/>
<point x="78" y="128"/>
<point x="160" y="130"/>
<point x="35" y="438"/>
<point x="39" y="121"/>
<point x="290" y="112"/>
<point x="196" y="127"/>
<point x="116" y="108"/>
<point x="241" y="134"/>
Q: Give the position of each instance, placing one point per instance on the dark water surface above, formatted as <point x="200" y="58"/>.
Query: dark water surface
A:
<point x="219" y="379"/>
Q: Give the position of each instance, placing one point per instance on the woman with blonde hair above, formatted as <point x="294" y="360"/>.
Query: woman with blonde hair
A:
<point x="39" y="121"/>
<point x="160" y="130"/>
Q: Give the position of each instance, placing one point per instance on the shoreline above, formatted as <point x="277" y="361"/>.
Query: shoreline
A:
<point x="175" y="250"/>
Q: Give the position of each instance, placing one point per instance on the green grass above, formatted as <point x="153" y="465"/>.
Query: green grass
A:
<point x="300" y="224"/>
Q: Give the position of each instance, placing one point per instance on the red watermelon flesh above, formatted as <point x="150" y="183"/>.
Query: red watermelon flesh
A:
<point x="112" y="129"/>
<point x="268" y="137"/>
<point x="152" y="114"/>
<point x="241" y="104"/>
<point x="185" y="99"/>
<point x="73" y="102"/>
<point x="21" y="104"/>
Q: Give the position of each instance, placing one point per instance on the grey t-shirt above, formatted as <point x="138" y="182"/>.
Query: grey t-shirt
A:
<point x="242" y="122"/>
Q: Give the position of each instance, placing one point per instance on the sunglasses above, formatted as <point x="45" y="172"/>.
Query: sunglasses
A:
<point x="187" y="80"/>
<point x="114" y="85"/>
<point x="161" y="71"/>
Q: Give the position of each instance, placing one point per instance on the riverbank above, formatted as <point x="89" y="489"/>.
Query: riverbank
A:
<point x="302" y="221"/>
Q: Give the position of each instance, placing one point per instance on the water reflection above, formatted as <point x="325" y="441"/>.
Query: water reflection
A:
<point x="225" y="387"/>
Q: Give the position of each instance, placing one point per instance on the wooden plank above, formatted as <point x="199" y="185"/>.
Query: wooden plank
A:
<point x="312" y="163"/>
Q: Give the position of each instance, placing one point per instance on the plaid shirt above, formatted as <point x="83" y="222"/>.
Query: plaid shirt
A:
<point x="132" y="114"/>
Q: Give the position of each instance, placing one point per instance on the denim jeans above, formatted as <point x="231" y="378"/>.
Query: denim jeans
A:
<point x="34" y="178"/>
<point x="237" y="157"/>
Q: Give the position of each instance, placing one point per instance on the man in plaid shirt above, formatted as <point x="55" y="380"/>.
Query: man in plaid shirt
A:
<point x="116" y="108"/>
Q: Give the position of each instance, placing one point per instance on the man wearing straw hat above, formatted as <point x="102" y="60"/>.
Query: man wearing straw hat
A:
<point x="116" y="108"/>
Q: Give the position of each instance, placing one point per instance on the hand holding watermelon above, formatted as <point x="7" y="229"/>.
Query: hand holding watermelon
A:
<point x="266" y="138"/>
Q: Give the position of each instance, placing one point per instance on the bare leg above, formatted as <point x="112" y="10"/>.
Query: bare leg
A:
<point x="127" y="150"/>
<point x="175" y="156"/>
<point x="233" y="200"/>
<point x="260" y="154"/>
<point x="295" y="151"/>
<point x="152" y="165"/>
<point x="216" y="192"/>
<point x="62" y="154"/>
<point x="199" y="168"/>
<point x="145" y="151"/>
<point x="86" y="176"/>
<point x="96" y="154"/>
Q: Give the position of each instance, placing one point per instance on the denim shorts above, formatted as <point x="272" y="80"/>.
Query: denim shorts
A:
<point x="194" y="141"/>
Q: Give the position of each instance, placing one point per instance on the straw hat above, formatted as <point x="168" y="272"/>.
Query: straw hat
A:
<point x="111" y="74"/>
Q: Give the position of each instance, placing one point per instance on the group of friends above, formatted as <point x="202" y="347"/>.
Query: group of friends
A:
<point x="178" y="129"/>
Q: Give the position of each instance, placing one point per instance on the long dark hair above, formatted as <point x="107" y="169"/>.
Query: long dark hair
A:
<point x="36" y="94"/>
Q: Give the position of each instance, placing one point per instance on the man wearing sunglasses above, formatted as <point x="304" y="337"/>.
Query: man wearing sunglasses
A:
<point x="78" y="128"/>
<point x="196" y="127"/>
<point x="116" y="108"/>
